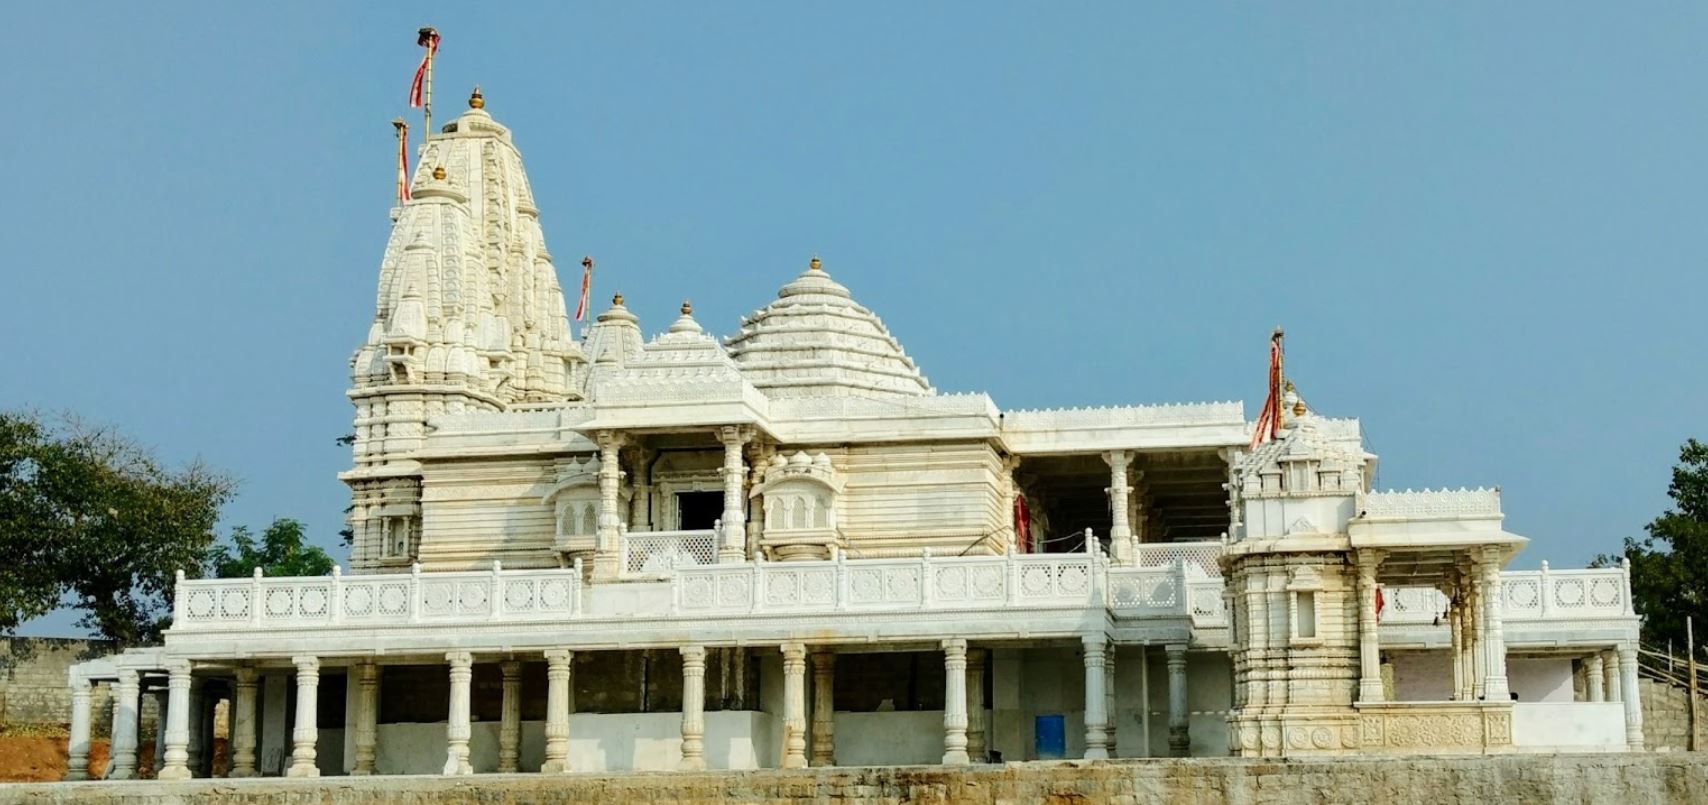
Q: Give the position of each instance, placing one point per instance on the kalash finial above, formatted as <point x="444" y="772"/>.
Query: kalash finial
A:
<point x="815" y="264"/>
<point x="439" y="172"/>
<point x="476" y="100"/>
<point x="617" y="299"/>
<point x="687" y="307"/>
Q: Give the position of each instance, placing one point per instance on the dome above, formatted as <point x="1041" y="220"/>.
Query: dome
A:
<point x="814" y="340"/>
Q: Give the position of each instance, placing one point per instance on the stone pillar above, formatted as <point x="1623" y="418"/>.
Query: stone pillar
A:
<point x="1494" y="685"/>
<point x="1458" y="652"/>
<point x="733" y="544"/>
<point x="126" y="707"/>
<point x="306" y="732"/>
<point x="177" y="726"/>
<point x="1631" y="697"/>
<point x="640" y="492"/>
<point x="1122" y="545"/>
<point x="243" y="723"/>
<point x="77" y="745"/>
<point x="1479" y="630"/>
<point x="607" y="552"/>
<point x="823" y="708"/>
<point x="1096" y="700"/>
<point x="693" y="708"/>
<point x="1369" y="639"/>
<point x="1179" y="738"/>
<point x="510" y="719"/>
<point x="457" y="722"/>
<point x="159" y="731"/>
<point x="977" y="749"/>
<point x="1610" y="674"/>
<point x="558" y="669"/>
<point x="794" y="706"/>
<point x="1593" y="678"/>
<point x="197" y="716"/>
<point x="1111" y="716"/>
<point x="367" y="717"/>
<point x="955" y="702"/>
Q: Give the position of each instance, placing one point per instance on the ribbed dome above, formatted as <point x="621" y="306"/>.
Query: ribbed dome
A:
<point x="816" y="341"/>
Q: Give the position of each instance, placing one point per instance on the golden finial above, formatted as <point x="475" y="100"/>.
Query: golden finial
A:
<point x="687" y="307"/>
<point x="477" y="101"/>
<point x="439" y="172"/>
<point x="1299" y="408"/>
<point x="618" y="299"/>
<point x="815" y="264"/>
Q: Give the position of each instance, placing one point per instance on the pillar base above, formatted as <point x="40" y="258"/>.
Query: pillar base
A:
<point x="1097" y="754"/>
<point x="554" y="767"/>
<point x="174" y="773"/>
<point x="956" y="758"/>
<point x="302" y="771"/>
<point x="692" y="764"/>
<point x="1370" y="691"/>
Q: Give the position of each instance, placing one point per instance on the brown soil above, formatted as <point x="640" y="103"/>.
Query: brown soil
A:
<point x="41" y="758"/>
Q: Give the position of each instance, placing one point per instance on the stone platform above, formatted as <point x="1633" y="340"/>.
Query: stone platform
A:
<point x="1649" y="779"/>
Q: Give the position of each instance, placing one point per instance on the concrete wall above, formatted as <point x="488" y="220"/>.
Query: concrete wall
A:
<point x="1427" y="676"/>
<point x="1544" y="726"/>
<point x="1539" y="778"/>
<point x="597" y="742"/>
<point x="889" y="739"/>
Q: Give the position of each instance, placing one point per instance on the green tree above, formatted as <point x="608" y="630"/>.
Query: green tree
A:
<point x="91" y="519"/>
<point x="1669" y="567"/>
<point x="281" y="551"/>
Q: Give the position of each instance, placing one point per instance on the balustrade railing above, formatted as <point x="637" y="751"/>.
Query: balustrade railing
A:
<point x="658" y="553"/>
<point x="1527" y="595"/>
<point x="1198" y="556"/>
<point x="382" y="599"/>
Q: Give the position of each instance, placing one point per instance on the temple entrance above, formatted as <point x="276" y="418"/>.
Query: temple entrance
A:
<point x="698" y="511"/>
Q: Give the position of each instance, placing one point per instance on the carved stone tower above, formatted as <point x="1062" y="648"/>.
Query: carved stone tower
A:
<point x="469" y="317"/>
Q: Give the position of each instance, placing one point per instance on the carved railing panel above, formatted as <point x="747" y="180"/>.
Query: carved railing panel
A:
<point x="1198" y="556"/>
<point x="657" y="553"/>
<point x="376" y="600"/>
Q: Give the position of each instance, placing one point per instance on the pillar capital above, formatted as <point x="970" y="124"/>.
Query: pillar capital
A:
<point x="1118" y="459"/>
<point x="555" y="656"/>
<point x="306" y="664"/>
<point x="459" y="659"/>
<point x="693" y="653"/>
<point x="735" y="435"/>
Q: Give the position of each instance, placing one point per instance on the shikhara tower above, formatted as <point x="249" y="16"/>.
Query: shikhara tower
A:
<point x="469" y="317"/>
<point x="629" y="552"/>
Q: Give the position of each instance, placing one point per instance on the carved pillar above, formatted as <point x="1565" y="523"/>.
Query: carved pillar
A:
<point x="1096" y="700"/>
<point x="1122" y="544"/>
<point x="1179" y="737"/>
<point x="823" y="708"/>
<point x="177" y="727"/>
<point x="1610" y="674"/>
<point x="306" y="732"/>
<point x="733" y="545"/>
<point x="977" y="750"/>
<point x="794" y="706"/>
<point x="197" y="719"/>
<point x="1458" y="652"/>
<point x="558" y="670"/>
<point x="1494" y="686"/>
<point x="758" y="456"/>
<point x="367" y="717"/>
<point x="510" y="718"/>
<point x="607" y="552"/>
<point x="243" y="723"/>
<point x="954" y="702"/>
<point x="1631" y="697"/>
<point x="457" y="722"/>
<point x="640" y="492"/>
<point x="1594" y="681"/>
<point x="126" y="693"/>
<point x="1479" y="629"/>
<point x="1369" y="640"/>
<point x="77" y="745"/>
<point x="693" y="708"/>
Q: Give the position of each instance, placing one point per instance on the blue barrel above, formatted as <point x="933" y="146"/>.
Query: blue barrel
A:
<point x="1051" y="737"/>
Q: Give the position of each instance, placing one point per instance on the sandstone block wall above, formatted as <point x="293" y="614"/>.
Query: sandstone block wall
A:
<point x="33" y="687"/>
<point x="1609" y="778"/>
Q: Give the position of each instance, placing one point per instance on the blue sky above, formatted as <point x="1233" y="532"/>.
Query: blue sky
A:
<point x="1480" y="224"/>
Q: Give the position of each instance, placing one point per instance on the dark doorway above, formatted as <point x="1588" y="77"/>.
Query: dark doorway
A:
<point x="697" y="511"/>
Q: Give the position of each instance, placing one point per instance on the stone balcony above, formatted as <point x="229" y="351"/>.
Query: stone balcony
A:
<point x="1172" y="592"/>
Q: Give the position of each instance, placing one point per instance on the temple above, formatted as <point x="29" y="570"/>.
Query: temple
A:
<point x="783" y="547"/>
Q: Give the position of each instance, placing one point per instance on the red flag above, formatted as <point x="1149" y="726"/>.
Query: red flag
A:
<point x="586" y="286"/>
<point x="1269" y="419"/>
<point x="1380" y="602"/>
<point x="402" y="160"/>
<point x="429" y="39"/>
<point x="1022" y="525"/>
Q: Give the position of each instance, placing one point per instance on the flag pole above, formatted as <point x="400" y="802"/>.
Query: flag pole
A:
<point x="427" y="86"/>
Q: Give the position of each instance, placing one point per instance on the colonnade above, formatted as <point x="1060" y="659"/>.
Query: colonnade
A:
<point x="805" y="742"/>
<point x="1610" y="675"/>
<point x="1478" y="644"/>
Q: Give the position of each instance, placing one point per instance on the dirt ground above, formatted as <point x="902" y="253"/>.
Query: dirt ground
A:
<point x="42" y="758"/>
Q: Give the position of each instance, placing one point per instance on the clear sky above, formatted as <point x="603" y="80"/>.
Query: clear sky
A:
<point x="1481" y="224"/>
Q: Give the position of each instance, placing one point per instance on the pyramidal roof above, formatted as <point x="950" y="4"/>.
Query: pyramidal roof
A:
<point x="468" y="297"/>
<point x="815" y="340"/>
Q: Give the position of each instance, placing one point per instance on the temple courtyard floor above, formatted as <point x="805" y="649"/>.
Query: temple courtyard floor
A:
<point x="1634" y="779"/>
